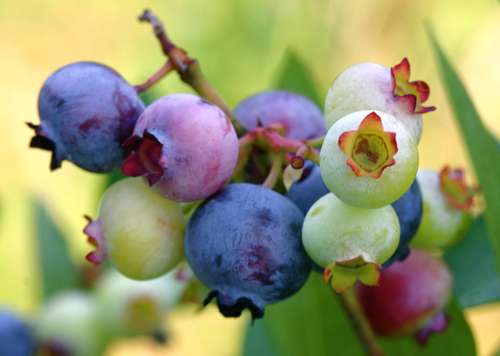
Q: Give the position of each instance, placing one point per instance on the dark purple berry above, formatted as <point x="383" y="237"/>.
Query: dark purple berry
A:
<point x="302" y="119"/>
<point x="245" y="244"/>
<point x="87" y="111"/>
<point x="16" y="337"/>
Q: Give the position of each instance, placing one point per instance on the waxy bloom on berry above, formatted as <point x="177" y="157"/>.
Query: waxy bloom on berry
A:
<point x="185" y="146"/>
<point x="371" y="86"/>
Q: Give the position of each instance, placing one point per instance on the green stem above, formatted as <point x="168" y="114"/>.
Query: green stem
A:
<point x="359" y="322"/>
<point x="275" y="172"/>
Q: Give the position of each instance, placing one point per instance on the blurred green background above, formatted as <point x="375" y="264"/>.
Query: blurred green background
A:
<point x="240" y="45"/>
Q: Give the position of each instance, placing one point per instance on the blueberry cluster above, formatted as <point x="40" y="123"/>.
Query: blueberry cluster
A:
<point x="191" y="189"/>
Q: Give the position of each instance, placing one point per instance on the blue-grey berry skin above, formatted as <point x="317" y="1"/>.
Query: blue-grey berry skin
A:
<point x="87" y="110"/>
<point x="306" y="191"/>
<point x="409" y="209"/>
<point x="301" y="118"/>
<point x="245" y="244"/>
<point x="16" y="337"/>
<point x="309" y="188"/>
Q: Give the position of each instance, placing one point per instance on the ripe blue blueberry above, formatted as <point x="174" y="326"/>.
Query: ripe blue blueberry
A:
<point x="309" y="188"/>
<point x="301" y="118"/>
<point x="245" y="244"/>
<point x="87" y="111"/>
<point x="16" y="338"/>
<point x="409" y="211"/>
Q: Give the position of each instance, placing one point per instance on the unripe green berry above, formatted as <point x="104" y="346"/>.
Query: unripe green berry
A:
<point x="371" y="175"/>
<point x="334" y="232"/>
<point x="138" y="231"/>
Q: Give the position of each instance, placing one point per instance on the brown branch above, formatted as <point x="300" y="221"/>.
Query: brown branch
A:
<point x="162" y="72"/>
<point x="189" y="69"/>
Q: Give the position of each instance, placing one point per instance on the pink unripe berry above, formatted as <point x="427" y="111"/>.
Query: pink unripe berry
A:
<point x="410" y="298"/>
<point x="185" y="146"/>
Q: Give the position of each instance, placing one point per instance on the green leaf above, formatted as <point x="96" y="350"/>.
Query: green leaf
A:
<point x="482" y="149"/>
<point x="309" y="323"/>
<point x="497" y="143"/>
<point x="58" y="272"/>
<point x="295" y="76"/>
<point x="258" y="342"/>
<point x="472" y="263"/>
<point x="313" y="323"/>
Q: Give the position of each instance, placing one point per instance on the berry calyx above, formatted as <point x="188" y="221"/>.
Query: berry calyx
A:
<point x="144" y="160"/>
<point x="371" y="86"/>
<point x="447" y="202"/>
<point x="343" y="274"/>
<point x="381" y="163"/>
<point x="94" y="232"/>
<point x="455" y="190"/>
<point x="415" y="93"/>
<point x="370" y="149"/>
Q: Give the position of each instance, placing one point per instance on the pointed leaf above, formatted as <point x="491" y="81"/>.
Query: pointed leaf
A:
<point x="313" y="323"/>
<point x="296" y="76"/>
<point x="472" y="263"/>
<point x="482" y="149"/>
<point x="58" y="271"/>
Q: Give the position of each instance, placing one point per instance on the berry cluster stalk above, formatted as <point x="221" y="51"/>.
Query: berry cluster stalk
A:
<point x="359" y="322"/>
<point x="188" y="68"/>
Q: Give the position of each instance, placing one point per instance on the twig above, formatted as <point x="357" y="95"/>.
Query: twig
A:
<point x="167" y="68"/>
<point x="189" y="69"/>
<point x="275" y="172"/>
<point x="359" y="322"/>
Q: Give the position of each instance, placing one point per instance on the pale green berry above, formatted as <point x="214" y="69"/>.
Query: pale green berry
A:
<point x="138" y="231"/>
<point x="357" y="241"/>
<point x="70" y="321"/>
<point x="371" y="86"/>
<point x="443" y="225"/>
<point x="128" y="307"/>
<point x="380" y="164"/>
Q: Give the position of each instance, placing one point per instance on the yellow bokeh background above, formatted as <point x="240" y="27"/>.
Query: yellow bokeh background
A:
<point x="240" y="45"/>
